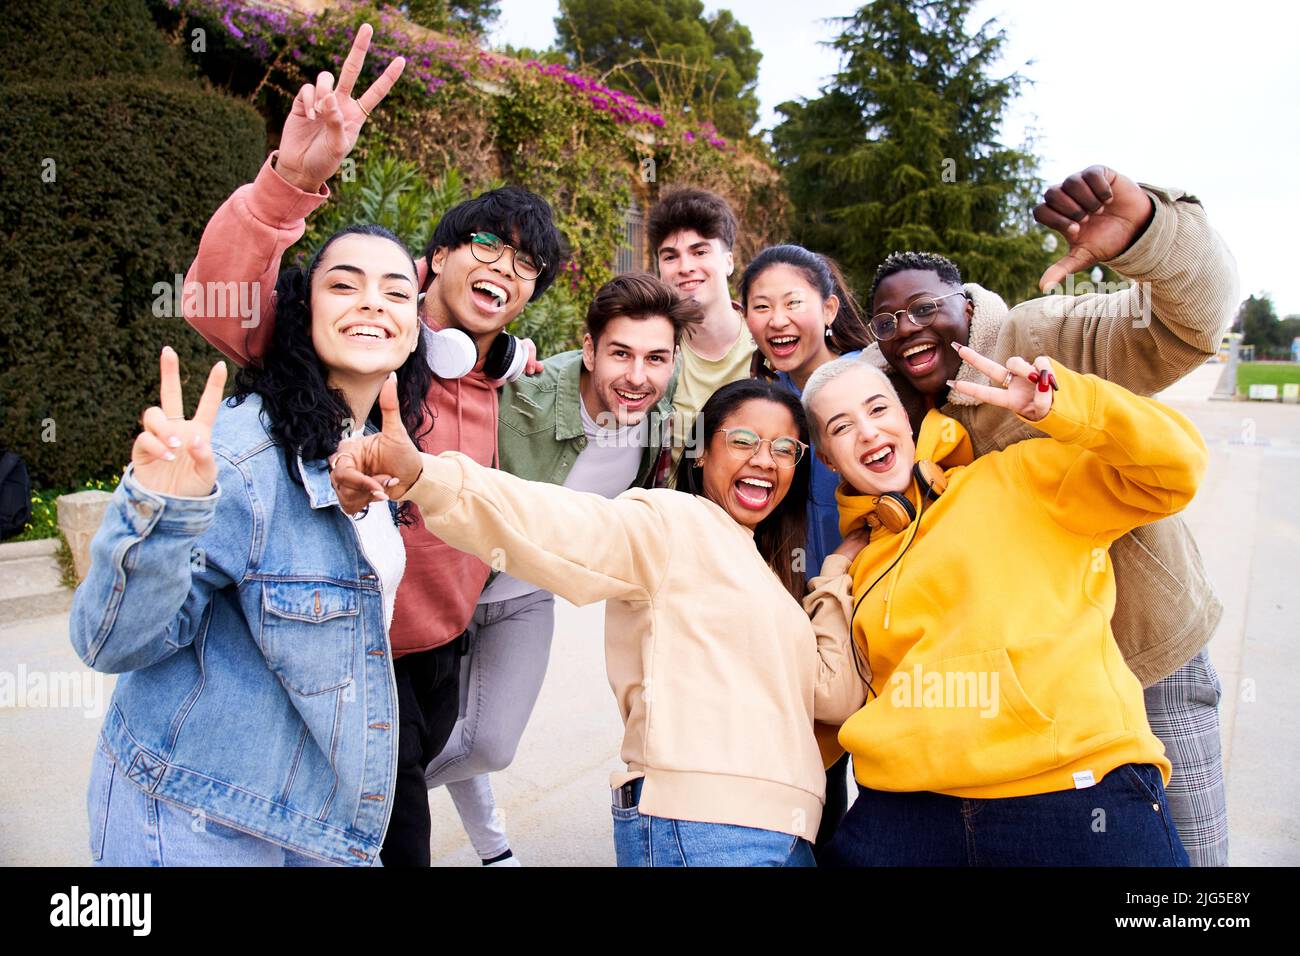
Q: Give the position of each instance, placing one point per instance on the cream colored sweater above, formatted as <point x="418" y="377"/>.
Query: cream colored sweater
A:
<point x="717" y="670"/>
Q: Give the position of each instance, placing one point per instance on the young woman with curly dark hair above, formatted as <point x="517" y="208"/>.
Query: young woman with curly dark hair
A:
<point x="255" y="722"/>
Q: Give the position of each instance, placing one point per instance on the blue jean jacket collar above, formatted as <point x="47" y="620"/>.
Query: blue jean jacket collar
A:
<point x="316" y="479"/>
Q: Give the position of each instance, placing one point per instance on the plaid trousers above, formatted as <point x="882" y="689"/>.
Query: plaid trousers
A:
<point x="1183" y="710"/>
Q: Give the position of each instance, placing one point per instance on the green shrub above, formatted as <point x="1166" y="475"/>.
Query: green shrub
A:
<point x="104" y="190"/>
<point x="554" y="322"/>
<point x="77" y="41"/>
<point x="391" y="192"/>
<point x="45" y="513"/>
<point x="591" y="151"/>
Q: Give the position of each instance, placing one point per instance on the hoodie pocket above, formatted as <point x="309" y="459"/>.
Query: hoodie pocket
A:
<point x="959" y="722"/>
<point x="309" y="634"/>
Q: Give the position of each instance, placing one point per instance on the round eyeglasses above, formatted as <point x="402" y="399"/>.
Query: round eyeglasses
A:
<point x="922" y="312"/>
<point x="744" y="443"/>
<point x="488" y="248"/>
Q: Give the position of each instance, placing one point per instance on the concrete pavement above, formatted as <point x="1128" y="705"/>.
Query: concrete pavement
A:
<point x="554" y="797"/>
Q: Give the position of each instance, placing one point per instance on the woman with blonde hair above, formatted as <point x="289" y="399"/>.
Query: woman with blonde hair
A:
<point x="1002" y="723"/>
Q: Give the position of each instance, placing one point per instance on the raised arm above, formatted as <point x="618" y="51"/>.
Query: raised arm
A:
<point x="1168" y="322"/>
<point x="1141" y="461"/>
<point x="230" y="284"/>
<point x="169" y="539"/>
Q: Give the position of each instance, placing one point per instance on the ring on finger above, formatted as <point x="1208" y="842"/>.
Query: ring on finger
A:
<point x="1006" y="382"/>
<point x="363" y="109"/>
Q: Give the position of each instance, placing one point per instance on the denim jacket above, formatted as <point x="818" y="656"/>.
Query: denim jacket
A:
<point x="257" y="683"/>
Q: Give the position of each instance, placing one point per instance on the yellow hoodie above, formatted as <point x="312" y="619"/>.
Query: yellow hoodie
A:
<point x="986" y="623"/>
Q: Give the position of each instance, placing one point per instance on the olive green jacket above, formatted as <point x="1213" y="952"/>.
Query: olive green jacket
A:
<point x="540" y="433"/>
<point x="1145" y="337"/>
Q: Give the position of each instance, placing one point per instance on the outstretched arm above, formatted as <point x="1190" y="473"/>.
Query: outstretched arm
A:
<point x="1167" y="322"/>
<point x="1119" y="460"/>
<point x="582" y="546"/>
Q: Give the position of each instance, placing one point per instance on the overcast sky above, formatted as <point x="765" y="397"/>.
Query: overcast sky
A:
<point x="1201" y="95"/>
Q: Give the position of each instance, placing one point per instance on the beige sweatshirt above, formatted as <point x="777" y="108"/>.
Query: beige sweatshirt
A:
<point x="717" y="670"/>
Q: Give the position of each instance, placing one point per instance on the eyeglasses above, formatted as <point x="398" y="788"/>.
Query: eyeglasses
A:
<point x="922" y="312"/>
<point x="743" y="443"/>
<point x="488" y="248"/>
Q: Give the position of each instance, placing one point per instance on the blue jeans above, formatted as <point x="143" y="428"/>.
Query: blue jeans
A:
<point x="130" y="828"/>
<point x="1123" y="820"/>
<point x="660" y="841"/>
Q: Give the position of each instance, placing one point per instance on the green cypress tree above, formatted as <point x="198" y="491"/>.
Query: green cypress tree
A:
<point x="903" y="151"/>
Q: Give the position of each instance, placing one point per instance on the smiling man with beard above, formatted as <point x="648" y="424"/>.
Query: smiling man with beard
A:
<point x="1145" y="338"/>
<point x="592" y="421"/>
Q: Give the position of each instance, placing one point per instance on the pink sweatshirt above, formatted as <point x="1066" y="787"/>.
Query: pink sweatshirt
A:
<point x="243" y="243"/>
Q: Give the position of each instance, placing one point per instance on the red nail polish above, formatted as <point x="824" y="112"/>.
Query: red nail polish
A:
<point x="1052" y="376"/>
<point x="1043" y="385"/>
<point x="1033" y="377"/>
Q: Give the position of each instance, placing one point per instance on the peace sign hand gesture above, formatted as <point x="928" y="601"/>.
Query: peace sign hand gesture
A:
<point x="173" y="456"/>
<point x="325" y="121"/>
<point x="1019" y="387"/>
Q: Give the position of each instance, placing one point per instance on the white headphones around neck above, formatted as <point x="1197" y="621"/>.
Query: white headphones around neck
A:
<point x="452" y="354"/>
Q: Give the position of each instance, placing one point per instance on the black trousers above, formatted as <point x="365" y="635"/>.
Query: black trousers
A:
<point x="837" y="804"/>
<point x="428" y="703"/>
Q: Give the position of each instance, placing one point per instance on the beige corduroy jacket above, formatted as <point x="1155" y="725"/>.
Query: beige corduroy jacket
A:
<point x="1146" y="337"/>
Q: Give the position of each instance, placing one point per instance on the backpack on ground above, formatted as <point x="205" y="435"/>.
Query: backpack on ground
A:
<point x="15" y="494"/>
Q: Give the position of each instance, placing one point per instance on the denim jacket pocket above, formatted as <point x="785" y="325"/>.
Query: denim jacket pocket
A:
<point x="309" y="634"/>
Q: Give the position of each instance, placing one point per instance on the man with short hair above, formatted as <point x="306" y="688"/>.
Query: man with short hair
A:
<point x="594" y="421"/>
<point x="692" y="233"/>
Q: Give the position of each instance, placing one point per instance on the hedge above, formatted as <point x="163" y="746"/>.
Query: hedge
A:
<point x="74" y="41"/>
<point x="138" y="166"/>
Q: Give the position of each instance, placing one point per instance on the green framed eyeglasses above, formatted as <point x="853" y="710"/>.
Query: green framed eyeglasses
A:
<point x="488" y="248"/>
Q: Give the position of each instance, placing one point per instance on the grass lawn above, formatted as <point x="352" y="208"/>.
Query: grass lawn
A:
<point x="1266" y="373"/>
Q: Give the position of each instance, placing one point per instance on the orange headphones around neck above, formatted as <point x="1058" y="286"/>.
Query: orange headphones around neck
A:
<point x="894" y="512"/>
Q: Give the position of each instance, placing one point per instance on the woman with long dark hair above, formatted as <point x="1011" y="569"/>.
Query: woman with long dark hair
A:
<point x="717" y="669"/>
<point x="255" y="721"/>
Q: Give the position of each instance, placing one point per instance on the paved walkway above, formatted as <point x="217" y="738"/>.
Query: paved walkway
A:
<point x="554" y="796"/>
